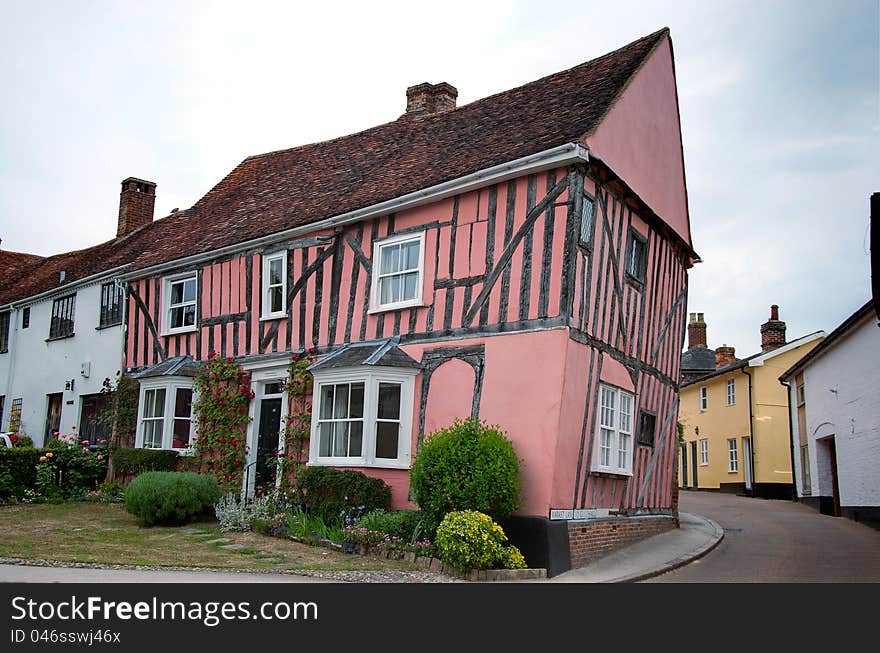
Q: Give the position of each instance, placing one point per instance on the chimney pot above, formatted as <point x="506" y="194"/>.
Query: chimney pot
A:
<point x="696" y="332"/>
<point x="772" y="331"/>
<point x="136" y="203"/>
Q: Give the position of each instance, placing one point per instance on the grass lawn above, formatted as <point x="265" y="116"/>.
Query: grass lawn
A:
<point x="104" y="533"/>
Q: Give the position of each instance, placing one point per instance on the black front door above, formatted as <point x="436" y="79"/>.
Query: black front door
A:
<point x="694" y="462"/>
<point x="267" y="441"/>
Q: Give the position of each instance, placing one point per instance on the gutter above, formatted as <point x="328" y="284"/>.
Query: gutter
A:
<point x="557" y="156"/>
<point x="64" y="289"/>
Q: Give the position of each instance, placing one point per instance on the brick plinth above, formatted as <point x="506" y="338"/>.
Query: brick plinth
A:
<point x="591" y="540"/>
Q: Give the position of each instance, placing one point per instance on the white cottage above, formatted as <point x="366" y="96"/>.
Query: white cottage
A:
<point x="834" y="400"/>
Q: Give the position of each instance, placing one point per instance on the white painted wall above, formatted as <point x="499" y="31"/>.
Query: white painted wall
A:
<point x="34" y="368"/>
<point x="842" y="391"/>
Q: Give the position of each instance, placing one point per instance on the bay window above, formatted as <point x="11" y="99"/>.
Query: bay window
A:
<point x="165" y="419"/>
<point x="362" y="418"/>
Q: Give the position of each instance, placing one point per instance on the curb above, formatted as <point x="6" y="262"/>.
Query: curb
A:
<point x="681" y="561"/>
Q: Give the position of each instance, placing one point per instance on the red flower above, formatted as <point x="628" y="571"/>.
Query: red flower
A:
<point x="313" y="350"/>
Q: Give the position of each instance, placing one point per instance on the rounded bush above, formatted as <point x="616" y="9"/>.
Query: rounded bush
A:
<point x="467" y="466"/>
<point x="468" y="539"/>
<point x="171" y="497"/>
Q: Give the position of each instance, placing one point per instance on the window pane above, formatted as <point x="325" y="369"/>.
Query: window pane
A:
<point x="605" y="447"/>
<point x="586" y="220"/>
<point x="387" y="434"/>
<point x="390" y="261"/>
<point x="176" y="293"/>
<point x="153" y="434"/>
<point x="623" y="452"/>
<point x="357" y="400"/>
<point x="176" y="318"/>
<point x="340" y="403"/>
<point x="410" y="285"/>
<point x="410" y="255"/>
<point x="326" y="401"/>
<point x="389" y="401"/>
<point x="275" y="271"/>
<point x="183" y="403"/>
<point x="154" y="403"/>
<point x="181" y="434"/>
<point x="275" y="299"/>
<point x="189" y="315"/>
<point x="389" y="290"/>
<point x="189" y="290"/>
<point x="355" y="439"/>
<point x="326" y="443"/>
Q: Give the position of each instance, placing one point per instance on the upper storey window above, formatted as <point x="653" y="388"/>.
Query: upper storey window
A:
<point x="636" y="258"/>
<point x="398" y="272"/>
<point x="274" y="285"/>
<point x="180" y="297"/>
<point x="588" y="211"/>
<point x="61" y="325"/>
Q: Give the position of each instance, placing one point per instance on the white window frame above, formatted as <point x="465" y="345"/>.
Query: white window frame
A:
<point x="371" y="380"/>
<point x="167" y="282"/>
<point x="613" y="434"/>
<point x="704" y="452"/>
<point x="732" y="456"/>
<point x="801" y="394"/>
<point x="375" y="305"/>
<point x="171" y="385"/>
<point x="731" y="392"/>
<point x="267" y="314"/>
<point x="704" y="399"/>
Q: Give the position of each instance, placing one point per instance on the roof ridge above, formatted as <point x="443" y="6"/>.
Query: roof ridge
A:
<point x="440" y="114"/>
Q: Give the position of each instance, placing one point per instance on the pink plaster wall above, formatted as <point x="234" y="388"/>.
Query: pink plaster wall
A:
<point x="614" y="373"/>
<point x="451" y="393"/>
<point x="640" y="139"/>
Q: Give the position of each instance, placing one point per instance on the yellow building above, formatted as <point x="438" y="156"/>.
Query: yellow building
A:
<point x="735" y="418"/>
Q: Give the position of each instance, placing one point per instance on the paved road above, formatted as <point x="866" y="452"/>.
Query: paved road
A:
<point x="777" y="542"/>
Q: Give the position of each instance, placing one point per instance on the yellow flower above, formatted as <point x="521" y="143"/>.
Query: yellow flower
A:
<point x="42" y="459"/>
<point x="50" y="454"/>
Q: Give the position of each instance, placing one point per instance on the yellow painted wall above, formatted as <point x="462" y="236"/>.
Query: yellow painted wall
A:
<point x="771" y="448"/>
<point x="717" y="424"/>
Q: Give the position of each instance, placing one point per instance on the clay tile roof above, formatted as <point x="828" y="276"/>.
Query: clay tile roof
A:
<point x="272" y="192"/>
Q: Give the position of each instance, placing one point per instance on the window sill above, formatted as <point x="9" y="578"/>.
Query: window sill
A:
<point x="70" y="335"/>
<point x="608" y="474"/>
<point x="274" y="316"/>
<point x="704" y="464"/>
<point x="360" y="463"/>
<point x="395" y="307"/>
<point x="732" y="471"/>
<point x="102" y="327"/>
<point x="177" y="332"/>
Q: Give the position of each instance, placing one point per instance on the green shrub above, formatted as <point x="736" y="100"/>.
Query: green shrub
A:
<point x="131" y="462"/>
<point x="24" y="442"/>
<point x="468" y="466"/>
<point x="471" y="540"/>
<point x="171" y="497"/>
<point x="68" y="472"/>
<point x="328" y="493"/>
<point x="408" y="525"/>
<point x="18" y="471"/>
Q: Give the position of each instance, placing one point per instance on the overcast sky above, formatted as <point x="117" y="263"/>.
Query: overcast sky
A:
<point x="779" y="108"/>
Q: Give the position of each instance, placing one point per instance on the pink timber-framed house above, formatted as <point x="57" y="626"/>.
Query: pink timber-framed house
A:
<point x="522" y="258"/>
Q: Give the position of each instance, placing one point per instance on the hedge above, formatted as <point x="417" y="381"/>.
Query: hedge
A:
<point x="18" y="471"/>
<point x="327" y="492"/>
<point x="130" y="462"/>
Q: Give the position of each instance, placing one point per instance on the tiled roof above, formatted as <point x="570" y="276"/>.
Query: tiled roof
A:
<point x="281" y="190"/>
<point x="697" y="359"/>
<point x="384" y="353"/>
<point x="176" y="366"/>
<point x="273" y="192"/>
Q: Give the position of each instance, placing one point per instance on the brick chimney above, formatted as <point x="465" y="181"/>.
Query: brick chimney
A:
<point x="136" y="203"/>
<point x="696" y="331"/>
<point x="426" y="98"/>
<point x="724" y="356"/>
<point x="772" y="331"/>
